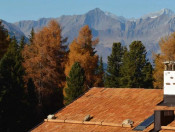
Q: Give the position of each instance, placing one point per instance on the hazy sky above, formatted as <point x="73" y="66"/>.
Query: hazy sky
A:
<point x="15" y="10"/>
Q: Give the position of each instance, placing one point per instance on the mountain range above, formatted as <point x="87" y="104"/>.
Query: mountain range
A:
<point x="108" y="28"/>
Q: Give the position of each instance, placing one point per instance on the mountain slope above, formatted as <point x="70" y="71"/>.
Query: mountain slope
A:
<point x="110" y="28"/>
<point x="13" y="30"/>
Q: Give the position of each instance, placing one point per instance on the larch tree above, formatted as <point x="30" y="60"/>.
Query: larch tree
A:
<point x="167" y="46"/>
<point x="44" y="64"/>
<point x="82" y="51"/>
<point x="4" y="40"/>
<point x="75" y="83"/>
<point x="158" y="71"/>
<point x="112" y="77"/>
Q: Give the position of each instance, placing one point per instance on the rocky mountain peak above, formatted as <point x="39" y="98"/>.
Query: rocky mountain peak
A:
<point x="156" y="14"/>
<point x="167" y="12"/>
<point x="95" y="12"/>
<point x="109" y="28"/>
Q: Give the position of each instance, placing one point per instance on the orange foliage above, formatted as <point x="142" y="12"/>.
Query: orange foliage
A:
<point x="82" y="51"/>
<point x="167" y="46"/>
<point x="158" y="72"/>
<point x="44" y="59"/>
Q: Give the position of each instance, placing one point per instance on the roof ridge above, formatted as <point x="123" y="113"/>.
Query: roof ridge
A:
<point x="102" y="123"/>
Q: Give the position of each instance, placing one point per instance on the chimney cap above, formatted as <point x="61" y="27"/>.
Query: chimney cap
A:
<point x="169" y="62"/>
<point x="166" y="62"/>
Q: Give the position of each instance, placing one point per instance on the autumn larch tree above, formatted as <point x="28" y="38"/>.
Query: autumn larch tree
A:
<point x="82" y="51"/>
<point x="44" y="64"/>
<point x="167" y="46"/>
<point x="75" y="83"/>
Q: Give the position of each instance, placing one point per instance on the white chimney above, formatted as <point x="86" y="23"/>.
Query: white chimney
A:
<point x="169" y="82"/>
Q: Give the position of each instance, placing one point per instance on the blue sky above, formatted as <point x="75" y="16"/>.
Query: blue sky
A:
<point x="15" y="10"/>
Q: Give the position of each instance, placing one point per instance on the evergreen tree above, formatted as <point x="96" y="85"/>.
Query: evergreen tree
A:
<point x="22" y="43"/>
<point x="31" y="36"/>
<point x="12" y="107"/>
<point x="34" y="116"/>
<point x="148" y="75"/>
<point x="32" y="96"/>
<point x="100" y="74"/>
<point x="75" y="83"/>
<point x="4" y="40"/>
<point x="136" y="69"/>
<point x="112" y="77"/>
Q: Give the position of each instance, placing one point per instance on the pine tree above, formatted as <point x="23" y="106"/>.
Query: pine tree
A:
<point x="22" y="43"/>
<point x="34" y="116"/>
<point x="32" y="96"/>
<point x="148" y="76"/>
<point x="112" y="77"/>
<point x="75" y="83"/>
<point x="82" y="51"/>
<point x="44" y="62"/>
<point x="136" y="69"/>
<point x="31" y="36"/>
<point x="4" y="40"/>
<point x="11" y="90"/>
<point x="100" y="74"/>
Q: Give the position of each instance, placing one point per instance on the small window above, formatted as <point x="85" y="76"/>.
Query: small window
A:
<point x="167" y="83"/>
<point x="171" y="77"/>
<point x="173" y="83"/>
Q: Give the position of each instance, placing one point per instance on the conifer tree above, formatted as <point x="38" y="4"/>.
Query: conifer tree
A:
<point x="34" y="116"/>
<point x="167" y="46"/>
<point x="158" y="71"/>
<point x="148" y="76"/>
<point x="31" y="36"/>
<point x="12" y="108"/>
<point x="32" y="96"/>
<point x="22" y="43"/>
<point x="4" y="40"/>
<point x="82" y="51"/>
<point x="44" y="62"/>
<point x="112" y="77"/>
<point x="100" y="74"/>
<point x="75" y="83"/>
<point x="136" y="69"/>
